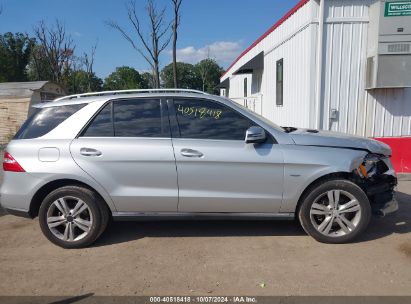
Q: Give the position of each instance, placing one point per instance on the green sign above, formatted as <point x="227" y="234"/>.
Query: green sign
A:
<point x="397" y="8"/>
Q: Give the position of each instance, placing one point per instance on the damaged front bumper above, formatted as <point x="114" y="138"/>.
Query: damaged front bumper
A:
<point x="379" y="186"/>
<point x="386" y="208"/>
<point x="380" y="191"/>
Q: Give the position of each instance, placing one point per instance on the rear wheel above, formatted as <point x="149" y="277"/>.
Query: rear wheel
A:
<point x="335" y="211"/>
<point x="73" y="217"/>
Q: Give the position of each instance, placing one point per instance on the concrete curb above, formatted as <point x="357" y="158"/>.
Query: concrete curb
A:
<point x="404" y="176"/>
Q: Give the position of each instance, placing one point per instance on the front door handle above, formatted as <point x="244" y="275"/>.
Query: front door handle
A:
<point x="90" y="152"/>
<point x="191" y="153"/>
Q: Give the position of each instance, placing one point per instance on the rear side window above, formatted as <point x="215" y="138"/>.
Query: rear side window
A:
<point x="130" y="118"/>
<point x="137" y="118"/>
<point x="43" y="120"/>
<point x="102" y="124"/>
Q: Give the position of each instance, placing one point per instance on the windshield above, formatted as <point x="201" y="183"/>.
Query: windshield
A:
<point x="262" y="118"/>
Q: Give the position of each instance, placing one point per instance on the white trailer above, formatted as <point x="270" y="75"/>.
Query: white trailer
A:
<point x="339" y="65"/>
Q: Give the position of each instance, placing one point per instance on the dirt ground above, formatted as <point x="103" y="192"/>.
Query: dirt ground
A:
<point x="209" y="258"/>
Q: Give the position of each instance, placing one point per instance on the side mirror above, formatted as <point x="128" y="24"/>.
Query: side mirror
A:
<point x="255" y="135"/>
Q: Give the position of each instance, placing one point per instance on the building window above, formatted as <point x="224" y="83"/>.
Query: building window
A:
<point x="245" y="91"/>
<point x="280" y="83"/>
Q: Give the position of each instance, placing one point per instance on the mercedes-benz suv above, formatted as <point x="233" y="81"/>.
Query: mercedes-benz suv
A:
<point x="82" y="160"/>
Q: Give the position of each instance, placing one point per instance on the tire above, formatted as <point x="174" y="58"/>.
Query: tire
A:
<point x="324" y="220"/>
<point x="73" y="217"/>
<point x="106" y="217"/>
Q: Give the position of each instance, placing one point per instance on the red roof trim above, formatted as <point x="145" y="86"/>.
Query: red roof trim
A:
<point x="268" y="32"/>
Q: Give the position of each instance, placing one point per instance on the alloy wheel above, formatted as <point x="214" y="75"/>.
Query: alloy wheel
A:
<point x="335" y="213"/>
<point x="69" y="219"/>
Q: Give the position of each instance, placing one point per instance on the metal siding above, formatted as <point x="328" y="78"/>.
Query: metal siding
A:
<point x="236" y="91"/>
<point x="376" y="113"/>
<point x="297" y="91"/>
<point x="302" y="16"/>
<point x="388" y="112"/>
<point x="344" y="51"/>
<point x="285" y="43"/>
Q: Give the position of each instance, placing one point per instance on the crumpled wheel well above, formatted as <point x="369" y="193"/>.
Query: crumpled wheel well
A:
<point x="378" y="189"/>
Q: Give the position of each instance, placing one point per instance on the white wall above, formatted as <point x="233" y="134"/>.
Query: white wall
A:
<point x="344" y="49"/>
<point x="387" y="113"/>
<point x="289" y="41"/>
<point x="376" y="113"/>
<point x="297" y="67"/>
<point x="237" y="86"/>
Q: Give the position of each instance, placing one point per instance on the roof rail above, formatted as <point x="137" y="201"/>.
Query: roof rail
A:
<point x="108" y="93"/>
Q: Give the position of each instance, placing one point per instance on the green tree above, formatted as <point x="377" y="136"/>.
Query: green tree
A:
<point x="148" y="80"/>
<point x="209" y="72"/>
<point x="15" y="50"/>
<point x="38" y="67"/>
<point x="81" y="82"/>
<point x="125" y="78"/>
<point x="187" y="77"/>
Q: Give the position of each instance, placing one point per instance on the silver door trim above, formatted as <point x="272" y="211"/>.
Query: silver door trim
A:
<point x="118" y="216"/>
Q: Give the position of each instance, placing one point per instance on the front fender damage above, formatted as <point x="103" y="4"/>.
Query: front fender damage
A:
<point x="375" y="175"/>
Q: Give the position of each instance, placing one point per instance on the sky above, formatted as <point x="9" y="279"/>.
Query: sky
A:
<point x="220" y="29"/>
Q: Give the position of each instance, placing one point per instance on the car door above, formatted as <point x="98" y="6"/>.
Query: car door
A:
<point x="217" y="170"/>
<point x="127" y="149"/>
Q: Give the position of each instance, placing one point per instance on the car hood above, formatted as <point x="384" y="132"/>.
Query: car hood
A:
<point x="309" y="137"/>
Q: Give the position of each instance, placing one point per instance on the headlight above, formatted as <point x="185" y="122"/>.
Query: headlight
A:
<point x="373" y="164"/>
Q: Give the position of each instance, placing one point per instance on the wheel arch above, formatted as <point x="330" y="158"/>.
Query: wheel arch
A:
<point x="43" y="191"/>
<point x="335" y="175"/>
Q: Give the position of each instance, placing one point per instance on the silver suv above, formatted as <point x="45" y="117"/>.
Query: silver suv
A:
<point x="81" y="160"/>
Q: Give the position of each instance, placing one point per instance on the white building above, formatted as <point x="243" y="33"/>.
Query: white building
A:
<point x="340" y="65"/>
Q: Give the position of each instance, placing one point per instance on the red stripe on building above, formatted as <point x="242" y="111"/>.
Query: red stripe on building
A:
<point x="268" y="32"/>
<point x="401" y="152"/>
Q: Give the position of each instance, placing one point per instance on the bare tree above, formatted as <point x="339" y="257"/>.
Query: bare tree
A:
<point x="151" y="48"/>
<point x="88" y="61"/>
<point x="176" y="23"/>
<point x="56" y="49"/>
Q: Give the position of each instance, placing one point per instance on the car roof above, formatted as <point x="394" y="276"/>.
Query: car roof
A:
<point x="109" y="95"/>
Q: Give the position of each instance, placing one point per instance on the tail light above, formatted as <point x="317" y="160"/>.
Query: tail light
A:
<point x="10" y="164"/>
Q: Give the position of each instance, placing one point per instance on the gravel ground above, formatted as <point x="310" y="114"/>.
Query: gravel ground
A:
<point x="210" y="258"/>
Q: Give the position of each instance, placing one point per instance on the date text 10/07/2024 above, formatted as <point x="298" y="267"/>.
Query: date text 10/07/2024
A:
<point x="204" y="299"/>
<point x="199" y="112"/>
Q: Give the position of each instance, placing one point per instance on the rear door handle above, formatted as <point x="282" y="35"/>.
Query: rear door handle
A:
<point x="191" y="153"/>
<point x="90" y="152"/>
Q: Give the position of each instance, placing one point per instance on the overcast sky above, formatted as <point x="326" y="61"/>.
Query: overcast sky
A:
<point x="221" y="29"/>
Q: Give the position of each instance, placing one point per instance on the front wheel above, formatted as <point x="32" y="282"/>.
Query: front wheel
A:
<point x="335" y="211"/>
